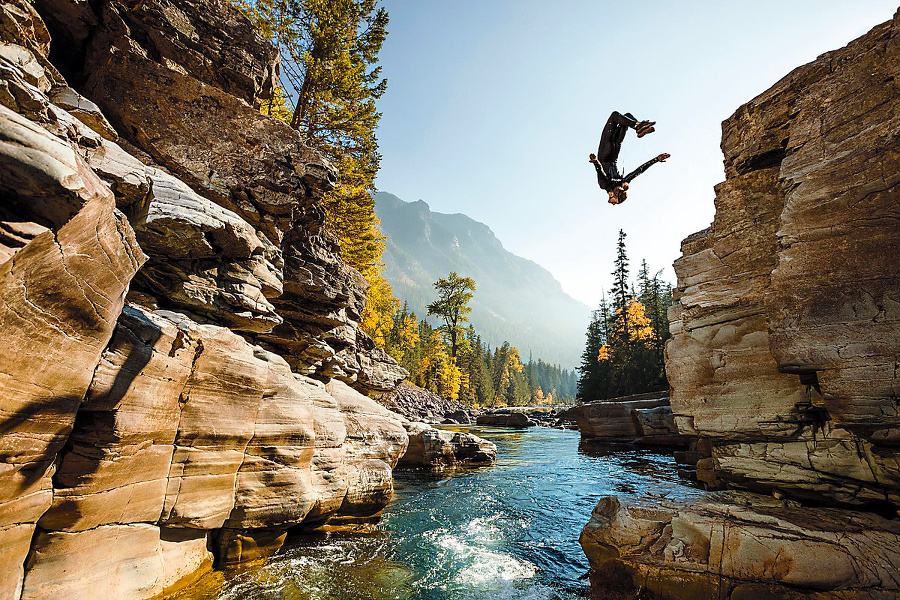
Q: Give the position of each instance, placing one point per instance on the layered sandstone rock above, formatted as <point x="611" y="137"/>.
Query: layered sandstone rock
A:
<point x="261" y="260"/>
<point x="68" y="258"/>
<point x="188" y="427"/>
<point x="140" y="438"/>
<point x="438" y="448"/>
<point x="786" y="336"/>
<point x="646" y="419"/>
<point x="737" y="546"/>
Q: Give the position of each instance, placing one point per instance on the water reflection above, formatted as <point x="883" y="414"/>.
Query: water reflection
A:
<point x="509" y="531"/>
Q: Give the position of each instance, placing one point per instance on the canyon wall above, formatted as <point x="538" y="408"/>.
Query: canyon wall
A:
<point x="785" y="354"/>
<point x="183" y="370"/>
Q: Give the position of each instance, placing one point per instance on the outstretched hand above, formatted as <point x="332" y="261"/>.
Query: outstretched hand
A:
<point x="662" y="157"/>
<point x="592" y="157"/>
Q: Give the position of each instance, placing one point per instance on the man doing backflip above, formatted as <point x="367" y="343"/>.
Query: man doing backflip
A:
<point x="604" y="161"/>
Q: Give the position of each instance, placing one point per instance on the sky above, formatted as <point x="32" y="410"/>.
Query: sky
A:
<point x="493" y="106"/>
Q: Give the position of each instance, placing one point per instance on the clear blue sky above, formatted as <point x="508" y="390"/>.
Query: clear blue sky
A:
<point x="493" y="106"/>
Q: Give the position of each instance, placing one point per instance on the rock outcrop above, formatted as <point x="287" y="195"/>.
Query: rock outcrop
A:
<point x="786" y="335"/>
<point x="644" y="419"/>
<point x="183" y="368"/>
<point x="438" y="448"/>
<point x="741" y="546"/>
<point x="785" y="355"/>
<point x="231" y="222"/>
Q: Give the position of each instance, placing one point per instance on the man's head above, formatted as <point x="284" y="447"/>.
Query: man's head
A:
<point x="618" y="194"/>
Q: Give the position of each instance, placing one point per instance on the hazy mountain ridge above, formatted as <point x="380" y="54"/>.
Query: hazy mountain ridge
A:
<point x="516" y="300"/>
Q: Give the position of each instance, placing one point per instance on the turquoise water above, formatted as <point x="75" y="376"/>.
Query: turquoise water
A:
<point x="504" y="532"/>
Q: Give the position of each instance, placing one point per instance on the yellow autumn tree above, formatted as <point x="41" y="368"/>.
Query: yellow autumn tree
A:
<point x="438" y="369"/>
<point x="277" y="106"/>
<point x="406" y="336"/>
<point x="605" y="352"/>
<point x="640" y="328"/>
<point x="377" y="318"/>
<point x="515" y="361"/>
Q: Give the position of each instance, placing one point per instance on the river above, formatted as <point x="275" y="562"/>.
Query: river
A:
<point x="504" y="532"/>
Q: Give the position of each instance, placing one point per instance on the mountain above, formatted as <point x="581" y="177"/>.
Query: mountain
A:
<point x="516" y="299"/>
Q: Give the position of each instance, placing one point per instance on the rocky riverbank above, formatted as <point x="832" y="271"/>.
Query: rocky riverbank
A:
<point x="417" y="404"/>
<point x="184" y="375"/>
<point x="784" y="356"/>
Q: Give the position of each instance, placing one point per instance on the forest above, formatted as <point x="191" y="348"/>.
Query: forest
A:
<point x="624" y="349"/>
<point x="454" y="362"/>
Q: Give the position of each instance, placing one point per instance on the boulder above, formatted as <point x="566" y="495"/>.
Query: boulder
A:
<point x="614" y="420"/>
<point x="437" y="448"/>
<point x="511" y="419"/>
<point x="642" y="419"/>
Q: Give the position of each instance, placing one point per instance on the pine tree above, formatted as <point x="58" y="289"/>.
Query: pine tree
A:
<point x="620" y="293"/>
<point x="593" y="383"/>
<point x="624" y="350"/>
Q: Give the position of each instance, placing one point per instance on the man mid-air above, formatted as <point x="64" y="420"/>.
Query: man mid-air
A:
<point x="604" y="161"/>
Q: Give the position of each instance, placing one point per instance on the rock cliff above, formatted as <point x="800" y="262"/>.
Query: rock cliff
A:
<point x="183" y="368"/>
<point x="785" y="355"/>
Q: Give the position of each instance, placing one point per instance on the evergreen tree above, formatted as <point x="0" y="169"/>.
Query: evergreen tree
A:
<point x="620" y="295"/>
<point x="624" y="350"/>
<point x="593" y="384"/>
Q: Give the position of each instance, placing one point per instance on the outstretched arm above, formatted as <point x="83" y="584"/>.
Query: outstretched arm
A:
<point x="645" y="166"/>
<point x="602" y="180"/>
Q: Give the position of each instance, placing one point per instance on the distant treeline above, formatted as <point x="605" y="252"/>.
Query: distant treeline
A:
<point x="623" y="354"/>
<point x="478" y="375"/>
